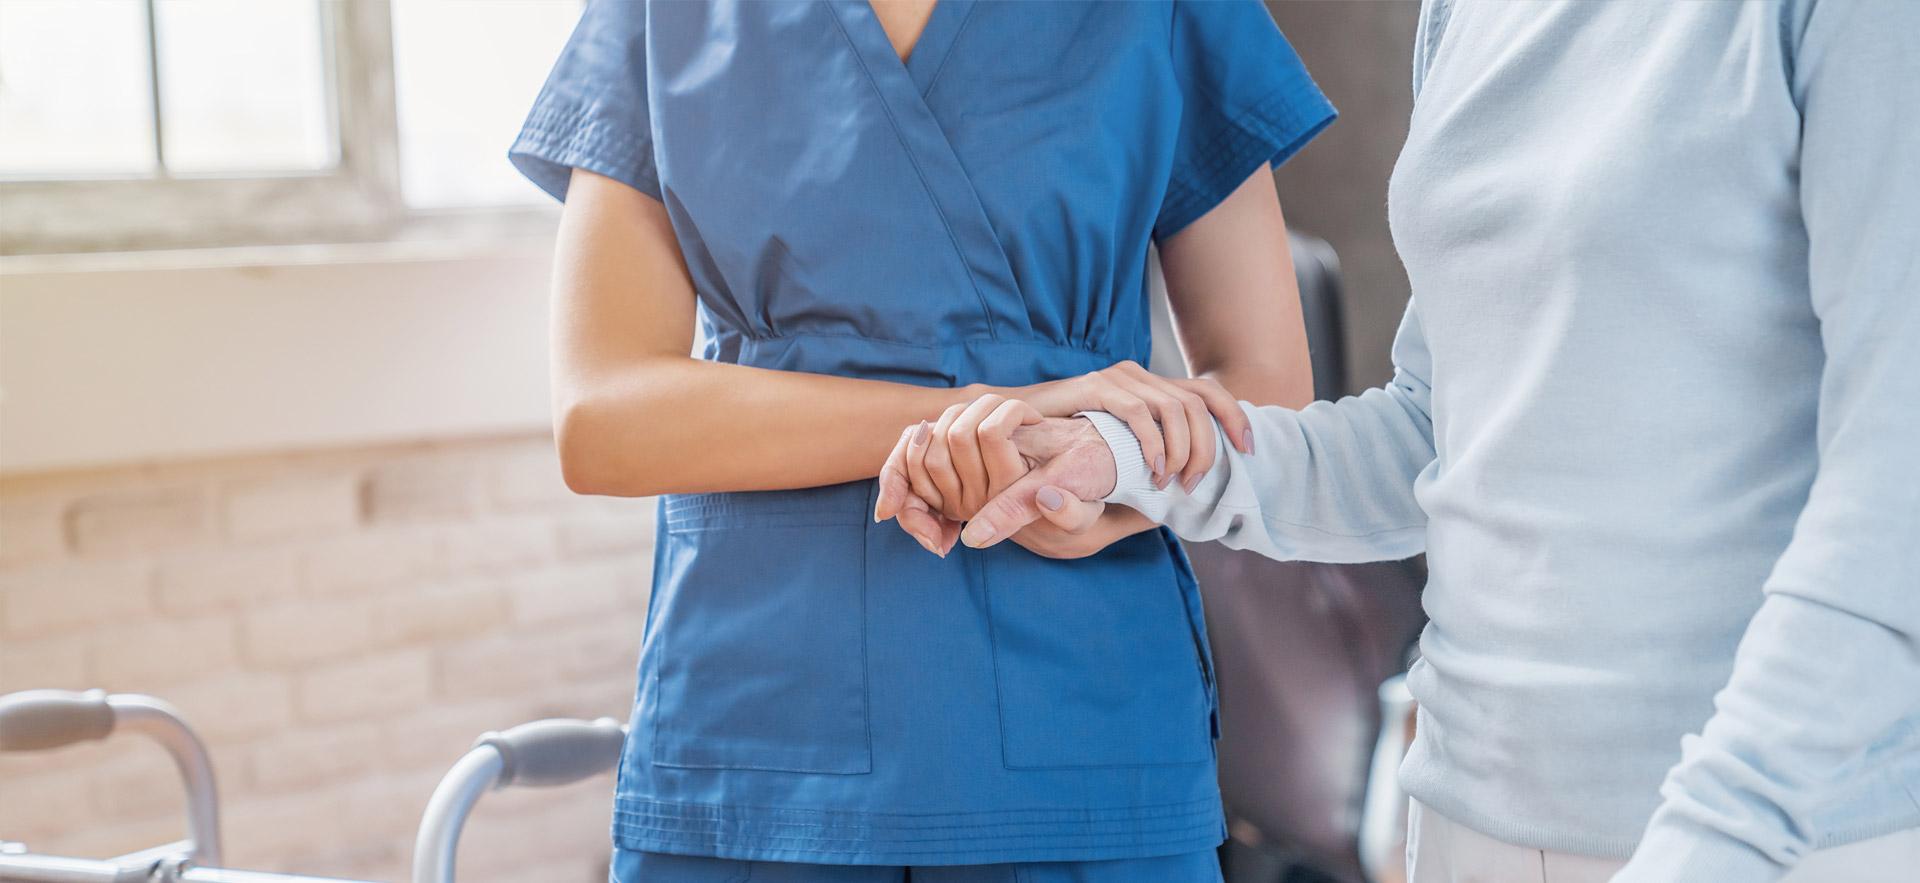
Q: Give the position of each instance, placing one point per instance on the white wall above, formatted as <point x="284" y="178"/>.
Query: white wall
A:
<point x="115" y="359"/>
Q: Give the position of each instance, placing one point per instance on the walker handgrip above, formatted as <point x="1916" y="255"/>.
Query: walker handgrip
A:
<point x="555" y="752"/>
<point x="34" y="720"/>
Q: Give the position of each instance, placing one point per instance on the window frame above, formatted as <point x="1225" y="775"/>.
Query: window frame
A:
<point x="356" y="199"/>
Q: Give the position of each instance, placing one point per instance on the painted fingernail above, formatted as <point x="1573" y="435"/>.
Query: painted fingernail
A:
<point x="1160" y="465"/>
<point x="921" y="432"/>
<point x="1189" y="483"/>
<point x="1050" y="499"/>
<point x="979" y="532"/>
<point x="924" y="544"/>
<point x="1246" y="439"/>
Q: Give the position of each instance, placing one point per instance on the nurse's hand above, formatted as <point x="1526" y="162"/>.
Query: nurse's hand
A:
<point x="1173" y="418"/>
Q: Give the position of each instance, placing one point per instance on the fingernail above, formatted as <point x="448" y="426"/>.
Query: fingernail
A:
<point x="1190" y="482"/>
<point x="1050" y="499"/>
<point x="1160" y="464"/>
<point x="1246" y="439"/>
<point x="921" y="432"/>
<point x="979" y="532"/>
<point x="924" y="544"/>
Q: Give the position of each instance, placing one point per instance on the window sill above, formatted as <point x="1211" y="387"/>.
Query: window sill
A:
<point x="118" y="357"/>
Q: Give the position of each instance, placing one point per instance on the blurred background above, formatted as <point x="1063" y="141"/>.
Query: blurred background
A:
<point x="274" y="438"/>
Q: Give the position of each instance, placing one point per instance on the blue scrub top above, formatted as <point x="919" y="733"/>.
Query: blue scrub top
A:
<point x="817" y="688"/>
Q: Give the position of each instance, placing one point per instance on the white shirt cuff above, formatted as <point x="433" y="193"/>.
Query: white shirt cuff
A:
<point x="1133" y="481"/>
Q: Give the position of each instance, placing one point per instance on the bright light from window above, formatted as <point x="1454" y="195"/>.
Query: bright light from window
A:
<point x="465" y="74"/>
<point x="74" y="94"/>
<point x="243" y="86"/>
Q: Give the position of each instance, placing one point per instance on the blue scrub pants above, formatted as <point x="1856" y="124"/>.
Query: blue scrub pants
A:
<point x="632" y="866"/>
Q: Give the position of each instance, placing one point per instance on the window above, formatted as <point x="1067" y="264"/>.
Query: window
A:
<point x="162" y="123"/>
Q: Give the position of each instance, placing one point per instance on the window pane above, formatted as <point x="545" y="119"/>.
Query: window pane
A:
<point x="243" y="86"/>
<point x="465" y="73"/>
<point x="74" y="95"/>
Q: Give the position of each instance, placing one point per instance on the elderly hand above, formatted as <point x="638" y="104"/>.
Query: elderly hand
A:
<point x="1019" y="468"/>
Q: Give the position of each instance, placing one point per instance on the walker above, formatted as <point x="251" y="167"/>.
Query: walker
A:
<point x="540" y="754"/>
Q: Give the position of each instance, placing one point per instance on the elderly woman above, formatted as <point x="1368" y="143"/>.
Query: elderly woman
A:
<point x="1653" y="422"/>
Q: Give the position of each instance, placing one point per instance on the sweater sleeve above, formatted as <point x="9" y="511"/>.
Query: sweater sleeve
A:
<point x="1333" y="482"/>
<point x="1831" y="662"/>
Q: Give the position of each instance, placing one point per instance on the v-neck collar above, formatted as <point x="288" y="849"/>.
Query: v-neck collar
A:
<point x="929" y="52"/>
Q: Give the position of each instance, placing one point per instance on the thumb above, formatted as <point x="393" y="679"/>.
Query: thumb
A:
<point x="1015" y="508"/>
<point x="1066" y="511"/>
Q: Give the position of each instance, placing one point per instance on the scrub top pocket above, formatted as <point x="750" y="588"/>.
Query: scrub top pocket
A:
<point x="1097" y="659"/>
<point x="761" y="661"/>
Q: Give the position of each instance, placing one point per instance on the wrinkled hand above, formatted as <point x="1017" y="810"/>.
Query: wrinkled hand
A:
<point x="1072" y="470"/>
<point x="1172" y="417"/>
<point x="999" y="463"/>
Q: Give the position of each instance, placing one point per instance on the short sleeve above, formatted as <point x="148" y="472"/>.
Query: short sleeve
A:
<point x="1249" y="103"/>
<point x="592" y="113"/>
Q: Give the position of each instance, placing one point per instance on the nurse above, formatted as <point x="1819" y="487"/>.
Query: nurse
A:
<point x="877" y="214"/>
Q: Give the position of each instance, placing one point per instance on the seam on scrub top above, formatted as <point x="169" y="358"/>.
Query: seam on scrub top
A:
<point x="867" y="835"/>
<point x="986" y="311"/>
<point x="1258" y="120"/>
<point x="960" y="847"/>
<point x="1039" y="344"/>
<point x="960" y="27"/>
<point x="584" y="139"/>
<point x="1203" y="804"/>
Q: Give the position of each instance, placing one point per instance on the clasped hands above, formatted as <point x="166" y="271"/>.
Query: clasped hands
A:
<point x="1019" y="466"/>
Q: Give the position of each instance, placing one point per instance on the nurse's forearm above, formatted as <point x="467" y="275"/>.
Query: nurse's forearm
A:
<point x="634" y="414"/>
<point x="681" y="425"/>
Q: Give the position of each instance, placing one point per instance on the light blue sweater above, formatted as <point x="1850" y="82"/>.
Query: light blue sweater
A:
<point x="1655" y="422"/>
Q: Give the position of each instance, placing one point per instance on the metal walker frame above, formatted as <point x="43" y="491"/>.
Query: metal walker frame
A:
<point x="541" y="754"/>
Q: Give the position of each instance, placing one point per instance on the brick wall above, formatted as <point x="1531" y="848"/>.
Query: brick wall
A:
<point x="338" y="626"/>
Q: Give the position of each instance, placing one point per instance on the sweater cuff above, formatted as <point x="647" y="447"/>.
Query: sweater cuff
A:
<point x="1133" y="482"/>
<point x="1676" y="851"/>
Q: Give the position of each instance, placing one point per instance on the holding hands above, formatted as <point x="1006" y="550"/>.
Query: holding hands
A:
<point x="1015" y="465"/>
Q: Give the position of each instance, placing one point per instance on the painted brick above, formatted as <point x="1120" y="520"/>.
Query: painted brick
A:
<point x="272" y="832"/>
<point x="133" y="522"/>
<point x="76" y="594"/>
<point x="310" y="756"/>
<point x="281" y="507"/>
<point x="421" y="490"/>
<point x="574" y="593"/>
<point x="227" y="578"/>
<point x="58" y="662"/>
<point x="95" y="839"/>
<point x="236" y="706"/>
<point x="527" y="479"/>
<point x="430" y="739"/>
<point x="369" y="562"/>
<point x="499" y="544"/>
<point x="493" y="666"/>
<point x="42" y="803"/>
<point x="606" y="530"/>
<point x="31" y="531"/>
<point x="140" y="656"/>
<point x="308" y="631"/>
<point x="435" y="613"/>
<point x="140" y="785"/>
<point x="365" y="687"/>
